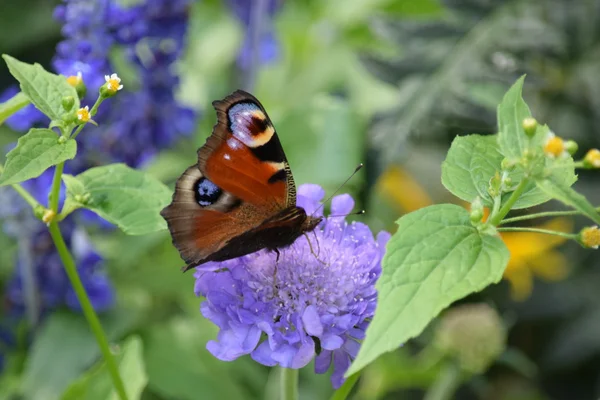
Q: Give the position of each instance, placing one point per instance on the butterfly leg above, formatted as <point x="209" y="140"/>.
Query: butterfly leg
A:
<point x="312" y="251"/>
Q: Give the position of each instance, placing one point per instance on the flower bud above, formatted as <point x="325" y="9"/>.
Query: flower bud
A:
<point x="571" y="146"/>
<point x="67" y="103"/>
<point x="495" y="185"/>
<point x="48" y="216"/>
<point x="78" y="84"/>
<point x="476" y="213"/>
<point x="473" y="334"/>
<point x="62" y="139"/>
<point x="589" y="237"/>
<point x="530" y="126"/>
<point x="592" y="159"/>
<point x="507" y="165"/>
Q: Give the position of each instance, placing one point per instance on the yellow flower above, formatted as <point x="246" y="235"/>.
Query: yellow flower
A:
<point x="590" y="237"/>
<point x="75" y="80"/>
<point x="531" y="254"/>
<point x="592" y="159"/>
<point x="398" y="185"/>
<point x="83" y="114"/>
<point x="554" y="146"/>
<point x="113" y="83"/>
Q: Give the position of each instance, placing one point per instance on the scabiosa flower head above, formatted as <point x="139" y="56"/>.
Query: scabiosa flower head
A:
<point x="315" y="301"/>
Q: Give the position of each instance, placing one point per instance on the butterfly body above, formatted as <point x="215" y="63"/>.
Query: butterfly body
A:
<point x="241" y="196"/>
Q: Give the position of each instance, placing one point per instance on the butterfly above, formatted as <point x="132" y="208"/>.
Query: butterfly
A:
<point x="241" y="196"/>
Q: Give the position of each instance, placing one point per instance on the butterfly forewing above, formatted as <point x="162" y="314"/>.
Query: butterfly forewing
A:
<point x="241" y="197"/>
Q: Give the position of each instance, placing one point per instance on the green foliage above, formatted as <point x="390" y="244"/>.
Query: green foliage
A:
<point x="44" y="89"/>
<point x="63" y="348"/>
<point x="564" y="193"/>
<point x="435" y="258"/>
<point x="36" y="151"/>
<point x="128" y="198"/>
<point x="471" y="162"/>
<point x="12" y="105"/>
<point x="95" y="384"/>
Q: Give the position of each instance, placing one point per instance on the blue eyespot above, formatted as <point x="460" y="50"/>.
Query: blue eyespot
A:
<point x="207" y="193"/>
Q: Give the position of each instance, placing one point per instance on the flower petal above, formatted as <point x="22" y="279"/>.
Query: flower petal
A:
<point x="311" y="321"/>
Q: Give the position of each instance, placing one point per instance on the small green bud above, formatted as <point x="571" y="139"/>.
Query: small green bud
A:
<point x="473" y="334"/>
<point x="39" y="211"/>
<point x="506" y="181"/>
<point x="495" y="185"/>
<point x="507" y="165"/>
<point x="63" y="139"/>
<point x="530" y="126"/>
<point x="571" y="146"/>
<point x="68" y="102"/>
<point x="476" y="213"/>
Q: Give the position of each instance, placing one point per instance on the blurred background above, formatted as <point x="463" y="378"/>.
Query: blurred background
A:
<point x="386" y="82"/>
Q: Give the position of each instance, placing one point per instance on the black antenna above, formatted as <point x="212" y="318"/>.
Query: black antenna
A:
<point x="361" y="212"/>
<point x="358" y="167"/>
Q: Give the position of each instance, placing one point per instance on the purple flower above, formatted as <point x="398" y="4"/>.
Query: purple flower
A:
<point x="317" y="301"/>
<point x="53" y="286"/>
<point x="268" y="45"/>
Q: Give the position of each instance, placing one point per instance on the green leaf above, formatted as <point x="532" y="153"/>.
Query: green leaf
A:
<point x="435" y="258"/>
<point x="44" y="89"/>
<point x="12" y="105"/>
<point x="564" y="193"/>
<point x="561" y="170"/>
<point x="36" y="151"/>
<point x="179" y="366"/>
<point x="474" y="159"/>
<point x="511" y="112"/>
<point x="128" y="198"/>
<point x="96" y="384"/>
<point x="63" y="348"/>
<point x="470" y="164"/>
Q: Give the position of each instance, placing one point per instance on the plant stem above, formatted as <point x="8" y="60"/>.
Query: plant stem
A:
<point x="495" y="219"/>
<point x="55" y="191"/>
<point x="343" y="392"/>
<point x="542" y="215"/>
<point x="23" y="193"/>
<point x="445" y="384"/>
<point x="86" y="306"/>
<point x="288" y="384"/>
<point x="538" y="230"/>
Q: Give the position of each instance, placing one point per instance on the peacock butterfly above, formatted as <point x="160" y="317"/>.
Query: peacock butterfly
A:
<point x="241" y="196"/>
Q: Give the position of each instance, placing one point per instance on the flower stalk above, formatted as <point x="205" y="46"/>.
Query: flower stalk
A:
<point x="87" y="308"/>
<point x="288" y="384"/>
